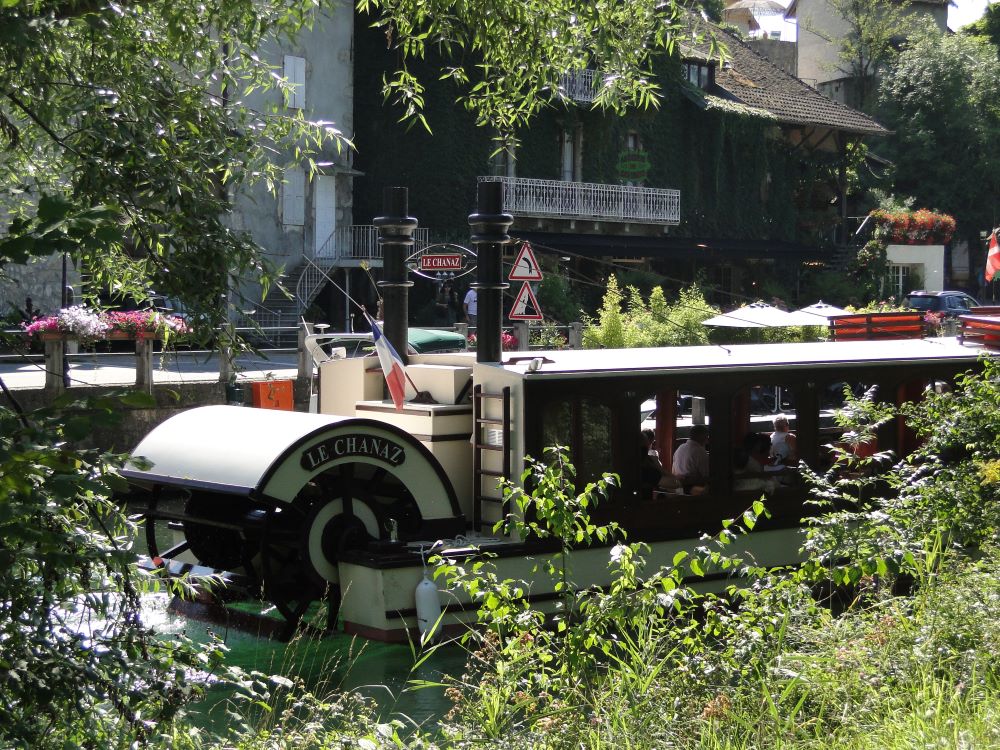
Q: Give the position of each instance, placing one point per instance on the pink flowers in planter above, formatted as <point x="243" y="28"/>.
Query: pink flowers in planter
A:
<point x="507" y="341"/>
<point x="78" y="321"/>
<point x="91" y="325"/>
<point x="145" y="321"/>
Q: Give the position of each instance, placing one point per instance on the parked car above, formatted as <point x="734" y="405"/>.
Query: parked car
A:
<point x="951" y="303"/>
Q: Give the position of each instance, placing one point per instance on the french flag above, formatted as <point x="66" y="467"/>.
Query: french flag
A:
<point x="392" y="365"/>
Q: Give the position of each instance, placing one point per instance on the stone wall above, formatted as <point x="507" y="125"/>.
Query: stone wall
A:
<point x="136" y="423"/>
<point x="781" y="53"/>
<point x="41" y="280"/>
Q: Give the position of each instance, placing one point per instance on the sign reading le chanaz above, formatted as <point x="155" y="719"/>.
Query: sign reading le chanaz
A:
<point x="344" y="446"/>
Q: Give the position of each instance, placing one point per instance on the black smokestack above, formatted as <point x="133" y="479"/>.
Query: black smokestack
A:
<point x="489" y="234"/>
<point x="395" y="236"/>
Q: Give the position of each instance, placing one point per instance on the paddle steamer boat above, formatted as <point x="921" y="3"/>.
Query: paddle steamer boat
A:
<point x="347" y="503"/>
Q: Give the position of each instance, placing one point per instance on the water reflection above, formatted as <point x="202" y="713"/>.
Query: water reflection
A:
<point x="380" y="671"/>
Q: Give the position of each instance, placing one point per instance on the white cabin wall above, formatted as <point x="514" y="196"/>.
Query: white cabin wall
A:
<point x="494" y="379"/>
<point x="345" y="382"/>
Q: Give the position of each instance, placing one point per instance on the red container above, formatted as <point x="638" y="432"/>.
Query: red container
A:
<point x="274" y="394"/>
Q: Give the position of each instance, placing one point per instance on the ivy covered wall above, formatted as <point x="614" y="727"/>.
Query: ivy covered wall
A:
<point x="737" y="178"/>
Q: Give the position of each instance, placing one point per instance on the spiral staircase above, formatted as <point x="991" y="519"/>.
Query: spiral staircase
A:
<point x="354" y="246"/>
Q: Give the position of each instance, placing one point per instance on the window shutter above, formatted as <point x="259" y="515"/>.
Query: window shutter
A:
<point x="293" y="197"/>
<point x="324" y="212"/>
<point x="295" y="74"/>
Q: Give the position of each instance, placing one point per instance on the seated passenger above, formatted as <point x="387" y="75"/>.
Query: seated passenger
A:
<point x="783" y="448"/>
<point x="649" y="440"/>
<point x="749" y="462"/>
<point x="652" y="474"/>
<point x="690" y="462"/>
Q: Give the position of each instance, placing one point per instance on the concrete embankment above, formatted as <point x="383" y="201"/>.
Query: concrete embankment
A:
<point x="187" y="381"/>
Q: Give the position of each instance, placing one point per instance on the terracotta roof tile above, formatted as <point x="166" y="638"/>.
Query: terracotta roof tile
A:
<point x="755" y="81"/>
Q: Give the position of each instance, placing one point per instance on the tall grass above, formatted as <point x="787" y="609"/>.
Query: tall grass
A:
<point x="650" y="663"/>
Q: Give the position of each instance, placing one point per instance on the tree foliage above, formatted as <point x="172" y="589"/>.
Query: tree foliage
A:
<point x="125" y="129"/>
<point x="941" y="100"/>
<point x="509" y="57"/>
<point x="77" y="667"/>
<point x="652" y="323"/>
<point x="987" y="26"/>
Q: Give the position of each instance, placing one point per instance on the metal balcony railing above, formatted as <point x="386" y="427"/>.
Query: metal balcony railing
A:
<point x="587" y="200"/>
<point x="360" y="242"/>
<point x="580" y="85"/>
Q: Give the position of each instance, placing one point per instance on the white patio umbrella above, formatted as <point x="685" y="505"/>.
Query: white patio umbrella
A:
<point x="761" y="315"/>
<point x="747" y="9"/>
<point x="824" y="310"/>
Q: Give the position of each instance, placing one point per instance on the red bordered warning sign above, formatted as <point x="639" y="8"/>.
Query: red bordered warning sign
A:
<point x="525" y="306"/>
<point x="525" y="267"/>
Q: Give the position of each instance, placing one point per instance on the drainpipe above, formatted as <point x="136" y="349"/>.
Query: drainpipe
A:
<point x="489" y="234"/>
<point x="395" y="237"/>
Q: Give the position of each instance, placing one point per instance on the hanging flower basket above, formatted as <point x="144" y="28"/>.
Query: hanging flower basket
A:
<point x="920" y="227"/>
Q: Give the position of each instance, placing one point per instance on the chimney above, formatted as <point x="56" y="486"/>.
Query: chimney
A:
<point x="489" y="234"/>
<point x="395" y="237"/>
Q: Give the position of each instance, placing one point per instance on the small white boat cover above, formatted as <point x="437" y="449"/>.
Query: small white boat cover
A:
<point x="227" y="449"/>
<point x="273" y="454"/>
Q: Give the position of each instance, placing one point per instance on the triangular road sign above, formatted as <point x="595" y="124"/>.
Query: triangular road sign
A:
<point x="525" y="307"/>
<point x="525" y="267"/>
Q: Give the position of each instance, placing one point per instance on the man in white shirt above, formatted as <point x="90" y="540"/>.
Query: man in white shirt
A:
<point x="690" y="462"/>
<point x="471" y="306"/>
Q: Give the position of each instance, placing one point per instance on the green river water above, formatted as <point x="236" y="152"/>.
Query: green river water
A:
<point x="379" y="670"/>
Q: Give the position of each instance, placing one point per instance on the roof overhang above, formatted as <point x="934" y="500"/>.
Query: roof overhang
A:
<point x="687" y="248"/>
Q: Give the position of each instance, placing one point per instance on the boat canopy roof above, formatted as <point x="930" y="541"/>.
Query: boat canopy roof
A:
<point x="682" y="360"/>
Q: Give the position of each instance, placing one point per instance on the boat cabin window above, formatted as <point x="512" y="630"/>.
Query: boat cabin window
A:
<point x="586" y="425"/>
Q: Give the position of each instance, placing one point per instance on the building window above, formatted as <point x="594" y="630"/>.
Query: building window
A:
<point x="295" y="75"/>
<point x="698" y="73"/>
<point x="502" y="162"/>
<point x="633" y="162"/>
<point x="899" y="279"/>
<point x="571" y="148"/>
